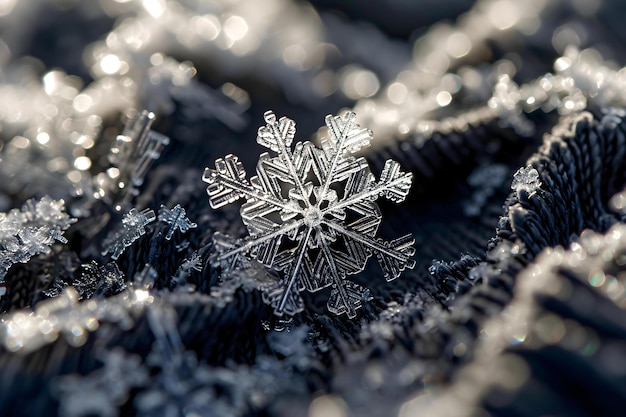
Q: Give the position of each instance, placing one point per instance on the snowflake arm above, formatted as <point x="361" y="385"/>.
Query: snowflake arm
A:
<point x="278" y="135"/>
<point x="261" y="243"/>
<point x="339" y="301"/>
<point x="394" y="185"/>
<point x="345" y="137"/>
<point x="393" y="256"/>
<point x="227" y="184"/>
<point x="293" y="272"/>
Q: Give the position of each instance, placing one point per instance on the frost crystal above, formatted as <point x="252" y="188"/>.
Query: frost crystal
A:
<point x="131" y="156"/>
<point x="104" y="280"/>
<point x="310" y="213"/>
<point x="526" y="178"/>
<point x="176" y="218"/>
<point x="133" y="227"/>
<point x="31" y="231"/>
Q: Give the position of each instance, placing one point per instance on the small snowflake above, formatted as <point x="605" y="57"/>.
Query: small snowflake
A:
<point x="310" y="213"/>
<point x="176" y="218"/>
<point x="133" y="227"/>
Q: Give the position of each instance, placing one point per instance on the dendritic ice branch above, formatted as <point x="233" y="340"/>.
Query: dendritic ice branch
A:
<point x="31" y="231"/>
<point x="311" y="213"/>
<point x="133" y="227"/>
<point x="131" y="157"/>
<point x="176" y="218"/>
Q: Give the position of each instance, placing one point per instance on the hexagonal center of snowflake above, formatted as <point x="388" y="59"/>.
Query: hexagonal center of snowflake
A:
<point x="312" y="216"/>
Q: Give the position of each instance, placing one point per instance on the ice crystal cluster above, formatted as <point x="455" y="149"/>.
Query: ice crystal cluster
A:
<point x="97" y="280"/>
<point x="133" y="227"/>
<point x="311" y="213"/>
<point x="31" y="231"/>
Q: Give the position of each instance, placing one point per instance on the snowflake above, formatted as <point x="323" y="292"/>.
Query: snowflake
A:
<point x="133" y="227"/>
<point x="185" y="386"/>
<point x="176" y="218"/>
<point x="310" y="213"/>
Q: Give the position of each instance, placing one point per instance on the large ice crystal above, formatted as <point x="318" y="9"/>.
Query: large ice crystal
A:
<point x="310" y="213"/>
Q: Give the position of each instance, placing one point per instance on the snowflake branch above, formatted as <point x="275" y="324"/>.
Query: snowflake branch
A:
<point x="247" y="191"/>
<point x="374" y="244"/>
<point x="255" y="240"/>
<point x="331" y="122"/>
<point x="351" y="312"/>
<point x="284" y="151"/>
<point x="382" y="187"/>
<point x="302" y="247"/>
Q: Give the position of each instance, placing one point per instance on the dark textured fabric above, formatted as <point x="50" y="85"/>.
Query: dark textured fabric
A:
<point x="419" y="336"/>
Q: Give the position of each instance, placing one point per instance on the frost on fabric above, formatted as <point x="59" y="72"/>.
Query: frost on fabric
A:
<point x="184" y="271"/>
<point x="185" y="386"/>
<point x="176" y="218"/>
<point x="27" y="330"/>
<point x="133" y="227"/>
<point x="562" y="303"/>
<point x="31" y="231"/>
<point x="310" y="213"/>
